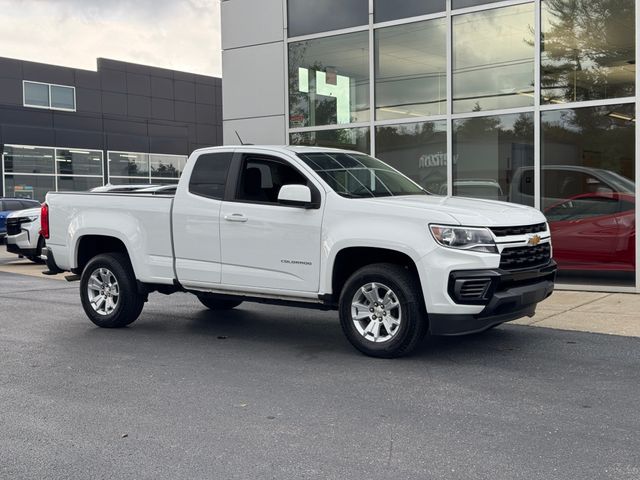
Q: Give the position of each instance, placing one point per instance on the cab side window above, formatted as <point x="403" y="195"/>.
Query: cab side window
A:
<point x="261" y="179"/>
<point x="209" y="175"/>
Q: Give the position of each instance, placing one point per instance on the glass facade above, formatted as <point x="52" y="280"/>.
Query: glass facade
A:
<point x="305" y="17"/>
<point x="493" y="59"/>
<point x="329" y="80"/>
<point x="31" y="172"/>
<point x="579" y="64"/>
<point x="411" y="70"/>
<point x="489" y="156"/>
<point x="133" y="167"/>
<point x="531" y="102"/>
<point x="347" y="138"/>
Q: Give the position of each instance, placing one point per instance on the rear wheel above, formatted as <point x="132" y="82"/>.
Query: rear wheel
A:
<point x="214" y="302"/>
<point x="382" y="312"/>
<point x="108" y="291"/>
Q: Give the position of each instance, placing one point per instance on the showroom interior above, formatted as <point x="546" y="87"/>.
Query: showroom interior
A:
<point x="531" y="102"/>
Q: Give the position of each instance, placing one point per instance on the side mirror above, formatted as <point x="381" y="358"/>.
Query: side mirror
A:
<point x="298" y="195"/>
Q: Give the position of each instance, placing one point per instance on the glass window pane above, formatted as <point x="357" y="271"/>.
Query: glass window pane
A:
<point x="348" y="138"/>
<point x="329" y="80"/>
<point x="493" y="59"/>
<point x="36" y="94"/>
<point x="588" y="50"/>
<point x="169" y="166"/>
<point x="78" y="162"/>
<point x="128" y="164"/>
<point x="419" y="150"/>
<point x="28" y="159"/>
<point x="209" y="175"/>
<point x="305" y="17"/>
<point x="491" y="155"/>
<point x="63" y="97"/>
<point x="385" y="10"/>
<point x="470" y="3"/>
<point x="34" y="187"/>
<point x="411" y="70"/>
<point x="588" y="192"/>
<point x="78" y="184"/>
<point x="164" y="181"/>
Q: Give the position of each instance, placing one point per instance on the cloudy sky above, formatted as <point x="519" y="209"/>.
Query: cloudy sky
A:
<point x="177" y="34"/>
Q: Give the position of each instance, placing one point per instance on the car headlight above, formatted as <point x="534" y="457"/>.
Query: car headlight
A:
<point x="464" y="238"/>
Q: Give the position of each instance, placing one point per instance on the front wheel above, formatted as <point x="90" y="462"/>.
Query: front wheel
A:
<point x="382" y="312"/>
<point x="108" y="291"/>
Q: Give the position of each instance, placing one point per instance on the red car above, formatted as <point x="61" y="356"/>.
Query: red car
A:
<point x="594" y="231"/>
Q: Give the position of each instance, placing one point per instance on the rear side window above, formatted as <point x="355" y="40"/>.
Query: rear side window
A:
<point x="209" y="175"/>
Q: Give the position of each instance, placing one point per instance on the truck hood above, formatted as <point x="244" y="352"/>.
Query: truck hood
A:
<point x="468" y="211"/>
<point x="29" y="212"/>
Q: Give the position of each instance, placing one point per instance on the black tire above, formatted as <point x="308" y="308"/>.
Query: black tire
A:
<point x="129" y="303"/>
<point x="406" y="288"/>
<point x="214" y="302"/>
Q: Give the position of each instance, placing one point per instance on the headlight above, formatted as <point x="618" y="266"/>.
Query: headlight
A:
<point x="464" y="238"/>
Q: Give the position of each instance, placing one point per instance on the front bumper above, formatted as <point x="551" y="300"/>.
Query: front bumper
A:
<point x="27" y="252"/>
<point x="509" y="295"/>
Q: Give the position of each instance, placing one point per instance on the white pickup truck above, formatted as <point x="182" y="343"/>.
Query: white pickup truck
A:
<point x="306" y="226"/>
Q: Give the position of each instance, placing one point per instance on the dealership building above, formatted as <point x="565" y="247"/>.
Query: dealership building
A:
<point x="529" y="101"/>
<point x="70" y="129"/>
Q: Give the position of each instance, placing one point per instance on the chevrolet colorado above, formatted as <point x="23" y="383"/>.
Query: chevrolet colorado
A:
<point x="306" y="226"/>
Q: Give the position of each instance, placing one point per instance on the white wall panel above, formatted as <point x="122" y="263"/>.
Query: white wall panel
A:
<point x="250" y="22"/>
<point x="253" y="81"/>
<point x="262" y="130"/>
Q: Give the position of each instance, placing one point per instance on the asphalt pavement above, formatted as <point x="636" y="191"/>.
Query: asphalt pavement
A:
<point x="271" y="392"/>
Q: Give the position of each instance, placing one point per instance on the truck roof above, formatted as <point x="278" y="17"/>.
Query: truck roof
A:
<point x="276" y="148"/>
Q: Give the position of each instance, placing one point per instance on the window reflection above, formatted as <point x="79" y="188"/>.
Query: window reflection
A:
<point x="491" y="157"/>
<point x="588" y="50"/>
<point x="588" y="192"/>
<point x="307" y="17"/>
<point x="128" y="164"/>
<point x="419" y="150"/>
<point x="386" y="10"/>
<point x="169" y="166"/>
<point x="34" y="187"/>
<point x="78" y="162"/>
<point x="26" y="159"/>
<point x="411" y="69"/>
<point x="329" y="80"/>
<point x="493" y="59"/>
<point x="347" y="138"/>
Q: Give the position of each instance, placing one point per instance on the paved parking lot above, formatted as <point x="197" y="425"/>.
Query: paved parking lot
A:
<point x="269" y="392"/>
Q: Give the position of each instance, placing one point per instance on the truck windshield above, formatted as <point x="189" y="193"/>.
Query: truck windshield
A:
<point x="356" y="175"/>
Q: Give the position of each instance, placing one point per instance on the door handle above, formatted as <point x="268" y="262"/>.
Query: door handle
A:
<point x="235" y="217"/>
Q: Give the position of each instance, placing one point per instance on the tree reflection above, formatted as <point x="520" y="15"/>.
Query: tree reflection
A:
<point x="588" y="49"/>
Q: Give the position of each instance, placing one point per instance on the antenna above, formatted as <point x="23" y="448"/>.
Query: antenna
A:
<point x="238" y="135"/>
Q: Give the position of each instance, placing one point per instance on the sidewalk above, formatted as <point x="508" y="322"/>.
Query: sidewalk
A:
<point x="609" y="313"/>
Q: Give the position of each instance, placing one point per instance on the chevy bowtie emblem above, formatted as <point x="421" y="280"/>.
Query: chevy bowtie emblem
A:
<point x="534" y="240"/>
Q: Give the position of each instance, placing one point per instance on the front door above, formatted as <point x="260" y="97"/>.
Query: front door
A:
<point x="267" y="245"/>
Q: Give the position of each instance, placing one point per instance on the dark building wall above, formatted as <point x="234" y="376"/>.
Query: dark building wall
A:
<point x="122" y="106"/>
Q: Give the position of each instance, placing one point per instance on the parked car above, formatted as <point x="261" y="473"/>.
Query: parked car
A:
<point x="594" y="231"/>
<point x="562" y="182"/>
<point x="23" y="234"/>
<point x="306" y="226"/>
<point x="8" y="205"/>
<point x="485" y="188"/>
